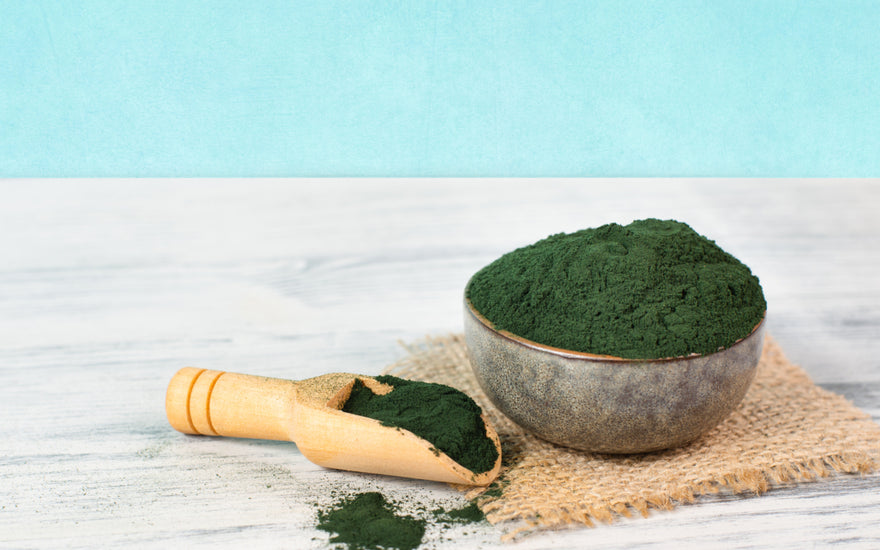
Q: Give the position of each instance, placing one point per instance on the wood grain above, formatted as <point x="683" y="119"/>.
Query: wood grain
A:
<point x="109" y="286"/>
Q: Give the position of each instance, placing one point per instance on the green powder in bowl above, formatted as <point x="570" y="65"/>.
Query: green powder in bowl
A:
<point x="648" y="290"/>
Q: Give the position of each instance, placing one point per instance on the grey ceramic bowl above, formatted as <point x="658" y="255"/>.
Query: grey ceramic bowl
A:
<point x="607" y="404"/>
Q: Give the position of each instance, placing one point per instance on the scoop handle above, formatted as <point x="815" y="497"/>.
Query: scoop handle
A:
<point x="211" y="402"/>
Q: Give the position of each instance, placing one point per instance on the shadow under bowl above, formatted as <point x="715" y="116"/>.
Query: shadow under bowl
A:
<point x="609" y="404"/>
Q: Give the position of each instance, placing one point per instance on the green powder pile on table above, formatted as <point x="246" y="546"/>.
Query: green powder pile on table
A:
<point x="647" y="290"/>
<point x="367" y="521"/>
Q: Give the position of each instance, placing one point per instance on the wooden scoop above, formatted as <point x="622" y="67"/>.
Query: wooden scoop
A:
<point x="210" y="402"/>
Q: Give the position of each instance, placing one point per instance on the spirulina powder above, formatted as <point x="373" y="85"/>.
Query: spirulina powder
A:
<point x="647" y="290"/>
<point x="444" y="416"/>
<point x="369" y="521"/>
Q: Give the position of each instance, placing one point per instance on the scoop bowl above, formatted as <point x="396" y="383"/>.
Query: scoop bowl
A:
<point x="608" y="404"/>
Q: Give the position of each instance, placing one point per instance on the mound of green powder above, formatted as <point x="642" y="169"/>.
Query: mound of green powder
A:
<point x="443" y="416"/>
<point x="647" y="290"/>
<point x="368" y="522"/>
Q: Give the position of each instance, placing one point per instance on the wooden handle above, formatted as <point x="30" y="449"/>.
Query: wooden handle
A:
<point x="210" y="402"/>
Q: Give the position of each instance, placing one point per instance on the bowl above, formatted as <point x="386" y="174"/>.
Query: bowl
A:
<point x="608" y="404"/>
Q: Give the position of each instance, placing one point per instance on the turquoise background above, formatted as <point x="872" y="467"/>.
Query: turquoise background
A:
<point x="607" y="88"/>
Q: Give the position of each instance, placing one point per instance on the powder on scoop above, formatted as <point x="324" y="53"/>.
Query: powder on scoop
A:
<point x="441" y="415"/>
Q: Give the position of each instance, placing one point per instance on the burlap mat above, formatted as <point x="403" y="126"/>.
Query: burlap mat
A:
<point x="786" y="430"/>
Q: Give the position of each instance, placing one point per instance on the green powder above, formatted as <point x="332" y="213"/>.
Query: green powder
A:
<point x="647" y="290"/>
<point x="367" y="521"/>
<point x="443" y="416"/>
<point x="470" y="513"/>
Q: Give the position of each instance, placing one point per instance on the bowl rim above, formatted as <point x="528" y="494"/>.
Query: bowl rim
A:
<point x="593" y="357"/>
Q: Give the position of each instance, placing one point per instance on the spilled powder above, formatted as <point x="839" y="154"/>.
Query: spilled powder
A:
<point x="368" y="521"/>
<point x="470" y="513"/>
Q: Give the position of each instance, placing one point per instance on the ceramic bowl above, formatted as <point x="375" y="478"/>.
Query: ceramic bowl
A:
<point x="608" y="404"/>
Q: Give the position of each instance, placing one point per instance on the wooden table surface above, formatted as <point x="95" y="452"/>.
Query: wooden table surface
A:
<point x="107" y="287"/>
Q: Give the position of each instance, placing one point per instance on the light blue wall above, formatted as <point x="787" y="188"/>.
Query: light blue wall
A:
<point x="182" y="88"/>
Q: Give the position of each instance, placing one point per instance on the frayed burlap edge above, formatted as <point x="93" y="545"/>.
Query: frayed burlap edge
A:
<point x="786" y="430"/>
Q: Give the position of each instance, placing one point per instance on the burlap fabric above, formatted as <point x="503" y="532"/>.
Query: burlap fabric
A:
<point x="786" y="430"/>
